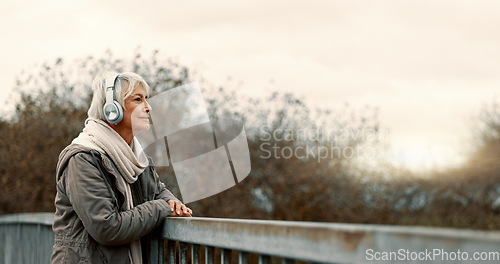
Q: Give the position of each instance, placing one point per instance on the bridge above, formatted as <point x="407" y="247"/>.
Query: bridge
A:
<point x="28" y="238"/>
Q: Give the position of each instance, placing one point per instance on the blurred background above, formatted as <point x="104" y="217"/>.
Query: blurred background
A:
<point x="355" y="112"/>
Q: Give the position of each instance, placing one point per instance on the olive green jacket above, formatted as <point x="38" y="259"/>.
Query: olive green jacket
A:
<point x="90" y="224"/>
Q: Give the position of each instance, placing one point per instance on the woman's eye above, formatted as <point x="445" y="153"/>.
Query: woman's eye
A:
<point x="138" y="99"/>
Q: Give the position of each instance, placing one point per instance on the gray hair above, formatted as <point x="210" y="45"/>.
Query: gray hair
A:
<point x="99" y="88"/>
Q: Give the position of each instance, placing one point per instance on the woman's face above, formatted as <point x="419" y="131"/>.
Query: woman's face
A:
<point x="136" y="111"/>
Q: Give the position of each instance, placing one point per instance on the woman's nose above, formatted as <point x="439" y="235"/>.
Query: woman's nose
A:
<point x="148" y="107"/>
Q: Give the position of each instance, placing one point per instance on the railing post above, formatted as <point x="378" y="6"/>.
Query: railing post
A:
<point x="182" y="252"/>
<point x="263" y="259"/>
<point x="195" y="253"/>
<point x="161" y="250"/>
<point x="243" y="257"/>
<point x="225" y="256"/>
<point x="37" y="254"/>
<point x="171" y="251"/>
<point x="153" y="252"/>
<point x="156" y="251"/>
<point x="209" y="255"/>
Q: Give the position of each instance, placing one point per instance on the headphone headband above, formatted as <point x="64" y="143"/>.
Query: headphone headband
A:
<point x="110" y="87"/>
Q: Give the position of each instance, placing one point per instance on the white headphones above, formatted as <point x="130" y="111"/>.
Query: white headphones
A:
<point x="112" y="110"/>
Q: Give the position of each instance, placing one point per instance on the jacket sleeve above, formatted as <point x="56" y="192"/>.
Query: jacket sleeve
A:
<point x="161" y="191"/>
<point x="94" y="204"/>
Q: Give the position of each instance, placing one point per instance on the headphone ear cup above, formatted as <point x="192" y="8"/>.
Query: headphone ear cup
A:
<point x="119" y="113"/>
<point x="113" y="112"/>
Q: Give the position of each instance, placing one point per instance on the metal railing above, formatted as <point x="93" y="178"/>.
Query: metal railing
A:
<point x="28" y="238"/>
<point x="260" y="241"/>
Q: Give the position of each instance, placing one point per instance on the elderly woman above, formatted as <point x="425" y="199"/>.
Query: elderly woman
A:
<point x="109" y="196"/>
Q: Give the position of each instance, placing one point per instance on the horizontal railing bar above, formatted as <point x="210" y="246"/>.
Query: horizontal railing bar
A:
<point x="322" y="242"/>
<point x="28" y="218"/>
<point x="494" y="236"/>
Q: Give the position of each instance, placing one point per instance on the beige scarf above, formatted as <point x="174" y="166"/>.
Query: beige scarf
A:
<point x="129" y="159"/>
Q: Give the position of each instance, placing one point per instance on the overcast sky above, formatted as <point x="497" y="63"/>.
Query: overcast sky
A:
<point x="427" y="65"/>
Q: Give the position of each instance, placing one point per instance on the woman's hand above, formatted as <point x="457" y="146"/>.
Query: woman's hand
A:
<point x="179" y="209"/>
